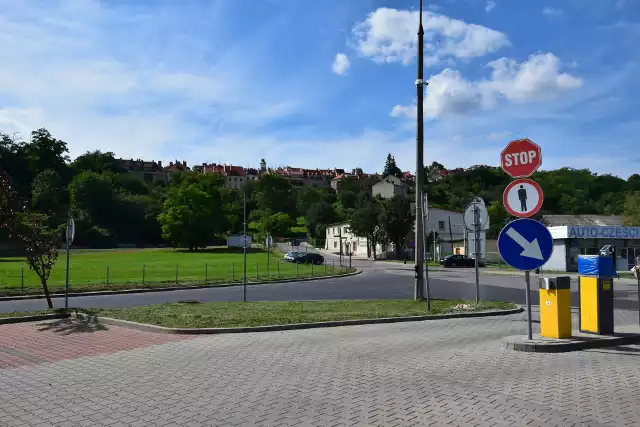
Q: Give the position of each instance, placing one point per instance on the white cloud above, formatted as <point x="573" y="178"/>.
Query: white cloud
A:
<point x="538" y="78"/>
<point x="490" y="5"/>
<point x="550" y="11"/>
<point x="389" y="35"/>
<point x="109" y="77"/>
<point x="340" y="64"/>
<point x="499" y="136"/>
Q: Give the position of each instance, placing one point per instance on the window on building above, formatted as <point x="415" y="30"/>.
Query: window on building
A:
<point x="440" y="225"/>
<point x="335" y="245"/>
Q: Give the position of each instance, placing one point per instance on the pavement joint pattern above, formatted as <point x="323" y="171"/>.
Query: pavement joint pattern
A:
<point x="447" y="372"/>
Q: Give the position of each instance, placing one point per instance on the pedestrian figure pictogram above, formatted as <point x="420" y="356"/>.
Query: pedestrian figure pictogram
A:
<point x="522" y="195"/>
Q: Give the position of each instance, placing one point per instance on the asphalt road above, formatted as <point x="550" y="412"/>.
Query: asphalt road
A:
<point x="379" y="280"/>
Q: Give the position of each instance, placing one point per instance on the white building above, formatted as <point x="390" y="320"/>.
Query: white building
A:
<point x="575" y="235"/>
<point x="351" y="244"/>
<point x="438" y="221"/>
<point x="389" y="186"/>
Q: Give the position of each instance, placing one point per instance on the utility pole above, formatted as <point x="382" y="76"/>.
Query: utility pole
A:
<point x="244" y="228"/>
<point x="418" y="239"/>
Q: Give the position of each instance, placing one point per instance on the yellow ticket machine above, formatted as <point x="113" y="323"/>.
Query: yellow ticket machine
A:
<point x="555" y="307"/>
<point x="596" y="273"/>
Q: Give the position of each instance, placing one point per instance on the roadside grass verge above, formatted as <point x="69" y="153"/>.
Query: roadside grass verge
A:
<point x="239" y="314"/>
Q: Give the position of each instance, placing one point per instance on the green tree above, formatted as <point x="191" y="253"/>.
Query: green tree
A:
<point x="48" y="196"/>
<point x="396" y="221"/>
<point x="390" y="167"/>
<point x="278" y="224"/>
<point x="40" y="242"/>
<point x="97" y="161"/>
<point x="14" y="163"/>
<point x="498" y="218"/>
<point x="273" y="193"/>
<point x="194" y="212"/>
<point x="46" y="152"/>
<point x="365" y="221"/>
<point x="632" y="209"/>
<point x="318" y="216"/>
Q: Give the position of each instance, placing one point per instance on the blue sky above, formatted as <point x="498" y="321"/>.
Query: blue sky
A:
<point x="327" y="83"/>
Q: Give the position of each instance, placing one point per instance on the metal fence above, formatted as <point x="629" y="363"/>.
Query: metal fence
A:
<point x="113" y="276"/>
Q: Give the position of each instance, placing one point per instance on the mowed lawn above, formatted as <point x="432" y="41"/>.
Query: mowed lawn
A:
<point x="122" y="268"/>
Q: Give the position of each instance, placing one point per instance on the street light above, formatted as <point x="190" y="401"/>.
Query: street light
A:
<point x="418" y="246"/>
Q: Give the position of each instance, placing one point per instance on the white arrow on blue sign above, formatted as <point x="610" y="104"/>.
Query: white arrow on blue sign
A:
<point x="525" y="244"/>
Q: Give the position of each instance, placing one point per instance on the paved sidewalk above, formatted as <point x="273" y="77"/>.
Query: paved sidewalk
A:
<point x="450" y="372"/>
<point x="51" y="341"/>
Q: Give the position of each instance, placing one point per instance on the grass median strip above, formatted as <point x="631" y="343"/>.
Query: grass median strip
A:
<point x="239" y="314"/>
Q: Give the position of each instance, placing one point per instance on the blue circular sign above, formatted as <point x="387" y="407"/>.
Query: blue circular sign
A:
<point x="525" y="244"/>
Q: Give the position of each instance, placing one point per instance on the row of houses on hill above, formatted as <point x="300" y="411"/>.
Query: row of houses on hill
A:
<point x="236" y="176"/>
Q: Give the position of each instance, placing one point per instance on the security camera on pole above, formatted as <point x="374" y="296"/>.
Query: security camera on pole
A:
<point x="525" y="244"/>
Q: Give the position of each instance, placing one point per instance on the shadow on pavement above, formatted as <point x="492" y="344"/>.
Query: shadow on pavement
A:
<point x="71" y="326"/>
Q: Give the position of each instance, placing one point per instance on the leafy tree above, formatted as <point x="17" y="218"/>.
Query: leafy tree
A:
<point x="48" y="196"/>
<point x="278" y="224"/>
<point x="97" y="161"/>
<point x="365" y="221"/>
<point x="273" y="193"/>
<point x="193" y="212"/>
<point x="92" y="198"/>
<point x="396" y="221"/>
<point x="632" y="209"/>
<point x="318" y="216"/>
<point x="10" y="205"/>
<point x="46" y="152"/>
<point x="390" y="167"/>
<point x="498" y="218"/>
<point x="14" y="164"/>
<point x="633" y="182"/>
<point x="41" y="245"/>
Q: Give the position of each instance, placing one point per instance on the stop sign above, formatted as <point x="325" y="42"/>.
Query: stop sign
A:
<point x="521" y="158"/>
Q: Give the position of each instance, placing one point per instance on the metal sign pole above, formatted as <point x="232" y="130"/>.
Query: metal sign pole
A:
<point x="476" y="226"/>
<point x="426" y="250"/>
<point x="527" y="280"/>
<point x="66" y="278"/>
<point x="244" y="266"/>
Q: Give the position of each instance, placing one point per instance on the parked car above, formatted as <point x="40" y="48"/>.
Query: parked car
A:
<point x="309" y="258"/>
<point x="459" y="261"/>
<point x="291" y="256"/>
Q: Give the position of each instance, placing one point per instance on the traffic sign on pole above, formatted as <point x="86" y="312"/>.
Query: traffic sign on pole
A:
<point x="521" y="158"/>
<point x="522" y="198"/>
<point x="469" y="216"/>
<point x="525" y="244"/>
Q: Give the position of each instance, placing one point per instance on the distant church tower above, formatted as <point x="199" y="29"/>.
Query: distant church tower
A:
<point x="263" y="166"/>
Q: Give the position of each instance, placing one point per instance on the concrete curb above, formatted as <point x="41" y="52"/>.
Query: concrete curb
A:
<point x="272" y="328"/>
<point x="174" y="288"/>
<point x="36" y="318"/>
<point x="559" y="347"/>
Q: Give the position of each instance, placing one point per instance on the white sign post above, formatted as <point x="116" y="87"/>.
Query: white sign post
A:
<point x="70" y="233"/>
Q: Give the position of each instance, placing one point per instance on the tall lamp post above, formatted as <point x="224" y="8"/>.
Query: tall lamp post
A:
<point x="419" y="246"/>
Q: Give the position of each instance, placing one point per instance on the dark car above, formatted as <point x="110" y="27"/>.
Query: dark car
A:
<point x="457" y="261"/>
<point x="309" y="258"/>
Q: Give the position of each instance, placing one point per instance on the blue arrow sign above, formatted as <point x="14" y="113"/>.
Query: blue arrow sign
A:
<point x="525" y="244"/>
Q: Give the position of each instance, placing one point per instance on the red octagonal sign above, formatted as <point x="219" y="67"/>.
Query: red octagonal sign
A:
<point x="521" y="158"/>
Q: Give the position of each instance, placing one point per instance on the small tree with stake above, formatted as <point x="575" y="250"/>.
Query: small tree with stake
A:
<point x="37" y="238"/>
<point x="41" y="244"/>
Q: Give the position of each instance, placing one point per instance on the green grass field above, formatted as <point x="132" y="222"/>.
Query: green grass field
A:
<point x="127" y="268"/>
